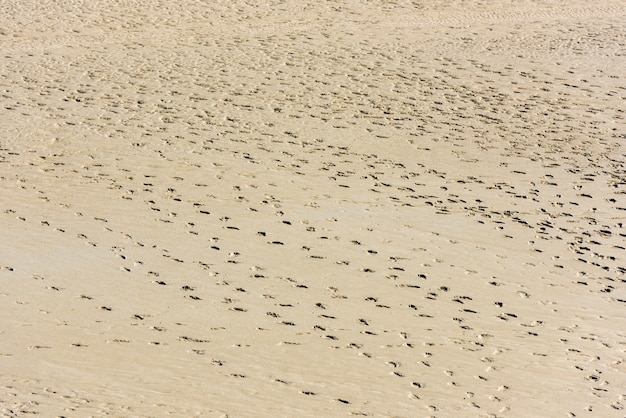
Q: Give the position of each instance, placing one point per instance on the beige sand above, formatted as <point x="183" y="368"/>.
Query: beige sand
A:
<point x="301" y="208"/>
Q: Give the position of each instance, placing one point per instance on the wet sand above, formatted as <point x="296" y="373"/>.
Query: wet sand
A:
<point x="312" y="209"/>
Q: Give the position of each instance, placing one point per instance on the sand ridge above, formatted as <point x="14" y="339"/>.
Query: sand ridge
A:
<point x="302" y="209"/>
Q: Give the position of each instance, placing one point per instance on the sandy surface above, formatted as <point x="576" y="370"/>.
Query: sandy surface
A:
<point x="298" y="208"/>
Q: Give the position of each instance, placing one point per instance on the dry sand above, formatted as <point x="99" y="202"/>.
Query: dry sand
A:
<point x="300" y="208"/>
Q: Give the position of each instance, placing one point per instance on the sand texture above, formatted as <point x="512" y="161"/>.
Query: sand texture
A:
<point x="313" y="208"/>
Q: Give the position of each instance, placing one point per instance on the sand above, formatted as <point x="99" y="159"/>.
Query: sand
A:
<point x="298" y="208"/>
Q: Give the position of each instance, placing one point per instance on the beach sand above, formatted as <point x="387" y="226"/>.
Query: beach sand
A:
<point x="298" y="208"/>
